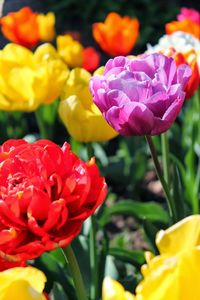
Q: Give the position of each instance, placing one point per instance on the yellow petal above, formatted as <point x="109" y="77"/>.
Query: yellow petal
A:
<point x="16" y="55"/>
<point x="179" y="237"/>
<point x="22" y="283"/>
<point x="49" y="80"/>
<point x="45" y="52"/>
<point x="129" y="296"/>
<point x="83" y="124"/>
<point x="99" y="71"/>
<point x="80" y="115"/>
<point x="113" y="290"/>
<point x="27" y="80"/>
<point x="70" y="50"/>
<point x="171" y="277"/>
<point x="78" y="84"/>
<point x="46" y="24"/>
<point x="20" y="289"/>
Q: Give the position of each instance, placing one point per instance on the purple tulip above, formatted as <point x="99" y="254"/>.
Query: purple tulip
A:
<point x="141" y="96"/>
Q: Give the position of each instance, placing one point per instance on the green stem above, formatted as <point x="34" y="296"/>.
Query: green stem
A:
<point x="75" y="272"/>
<point x="93" y="260"/>
<point x="90" y="151"/>
<point x="197" y="180"/>
<point x="170" y="202"/>
<point x="92" y="244"/>
<point x="165" y="157"/>
<point x="44" y="134"/>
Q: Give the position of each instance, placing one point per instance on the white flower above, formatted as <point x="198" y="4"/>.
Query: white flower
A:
<point x="179" y="40"/>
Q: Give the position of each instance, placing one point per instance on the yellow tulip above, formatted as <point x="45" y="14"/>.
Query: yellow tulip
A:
<point x="113" y="290"/>
<point x="70" y="50"/>
<point x="46" y="25"/>
<point x="79" y="114"/>
<point x="22" y="284"/>
<point x="174" y="274"/>
<point x="99" y="71"/>
<point x="29" y="79"/>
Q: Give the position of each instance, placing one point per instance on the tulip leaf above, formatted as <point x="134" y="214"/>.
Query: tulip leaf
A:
<point x="111" y="269"/>
<point x="150" y="211"/>
<point x="100" y="154"/>
<point x="135" y="258"/>
<point x="177" y="193"/>
<point x="102" y="259"/>
<point x="58" y="292"/>
<point x="80" y="247"/>
<point x="151" y="231"/>
<point x="189" y="183"/>
<point x="54" y="272"/>
<point x="58" y="255"/>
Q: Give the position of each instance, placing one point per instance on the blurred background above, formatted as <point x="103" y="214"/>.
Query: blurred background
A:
<point x="73" y="15"/>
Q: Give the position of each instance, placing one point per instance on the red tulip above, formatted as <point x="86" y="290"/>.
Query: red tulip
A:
<point x="5" y="264"/>
<point x="46" y="193"/>
<point x="189" y="58"/>
<point x="91" y="59"/>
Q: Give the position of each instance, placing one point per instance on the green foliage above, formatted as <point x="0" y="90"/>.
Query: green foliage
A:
<point x="150" y="211"/>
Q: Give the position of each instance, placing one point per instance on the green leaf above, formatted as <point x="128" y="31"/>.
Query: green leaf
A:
<point x="55" y="272"/>
<point x="58" y="293"/>
<point x="150" y="211"/>
<point x="188" y="182"/>
<point x="102" y="259"/>
<point x="100" y="153"/>
<point x="178" y="193"/>
<point x="135" y="258"/>
<point x="111" y="269"/>
<point x="80" y="247"/>
<point x="151" y="231"/>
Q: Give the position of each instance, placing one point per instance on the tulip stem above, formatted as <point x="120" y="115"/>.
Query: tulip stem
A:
<point x="165" y="158"/>
<point x="92" y="243"/>
<point x="44" y="134"/>
<point x="170" y="202"/>
<point x="93" y="259"/>
<point x="75" y="272"/>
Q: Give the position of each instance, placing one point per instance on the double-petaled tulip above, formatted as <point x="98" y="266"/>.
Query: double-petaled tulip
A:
<point x="174" y="274"/>
<point x="183" y="48"/>
<point x="113" y="290"/>
<point x="70" y="50"/>
<point x="141" y="96"/>
<point x="28" y="80"/>
<point x="22" y="283"/>
<point x="46" y="192"/>
<point x="80" y="115"/>
<point x="27" y="28"/>
<point x="188" y="21"/>
<point x="117" y="35"/>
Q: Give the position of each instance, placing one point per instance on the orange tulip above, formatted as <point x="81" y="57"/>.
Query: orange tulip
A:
<point x="21" y="27"/>
<point x="189" y="58"/>
<point x="117" y="35"/>
<point x="185" y="25"/>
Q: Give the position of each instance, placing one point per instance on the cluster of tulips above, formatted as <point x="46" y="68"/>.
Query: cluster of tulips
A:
<point x="47" y="191"/>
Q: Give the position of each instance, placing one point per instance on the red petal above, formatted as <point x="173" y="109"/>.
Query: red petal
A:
<point x="7" y="235"/>
<point x="39" y="204"/>
<point x="57" y="215"/>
